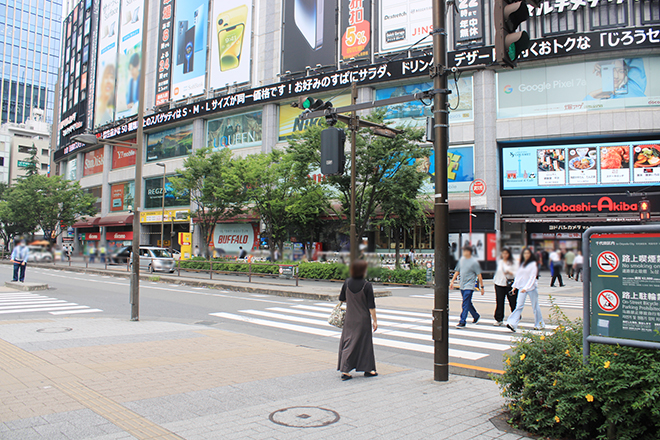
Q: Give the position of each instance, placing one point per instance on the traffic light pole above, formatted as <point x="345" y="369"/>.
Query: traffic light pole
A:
<point x="441" y="205"/>
<point x="354" y="129"/>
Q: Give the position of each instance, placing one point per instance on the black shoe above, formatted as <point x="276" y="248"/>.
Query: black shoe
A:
<point x="370" y="374"/>
<point x="475" y="320"/>
<point x="460" y="325"/>
<point x="562" y="285"/>
<point x="346" y="377"/>
<point x="511" y="328"/>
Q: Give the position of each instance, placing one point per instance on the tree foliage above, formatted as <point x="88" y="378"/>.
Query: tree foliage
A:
<point x="213" y="180"/>
<point x="33" y="163"/>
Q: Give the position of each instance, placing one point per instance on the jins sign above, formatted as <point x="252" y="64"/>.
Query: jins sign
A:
<point x="578" y="205"/>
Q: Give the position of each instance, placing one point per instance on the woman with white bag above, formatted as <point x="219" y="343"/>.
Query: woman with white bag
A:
<point x="356" y="347"/>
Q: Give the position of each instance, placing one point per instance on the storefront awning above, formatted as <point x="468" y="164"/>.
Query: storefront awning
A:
<point x="88" y="222"/>
<point x="117" y="220"/>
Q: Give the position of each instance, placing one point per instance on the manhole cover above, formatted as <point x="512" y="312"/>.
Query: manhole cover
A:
<point x="304" y="417"/>
<point x="54" y="330"/>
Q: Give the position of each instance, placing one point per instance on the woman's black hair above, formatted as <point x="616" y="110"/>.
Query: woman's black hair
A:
<point x="510" y="259"/>
<point x="532" y="257"/>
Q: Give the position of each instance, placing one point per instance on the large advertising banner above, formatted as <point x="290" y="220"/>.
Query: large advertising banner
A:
<point x="230" y="237"/>
<point x="190" y="40"/>
<point x="236" y="131"/>
<point x="569" y="88"/>
<point x="581" y="165"/>
<point x="128" y="62"/>
<point x="106" y="62"/>
<point x="122" y="157"/>
<point x="414" y="113"/>
<point x="403" y="23"/>
<point x="309" y="34"/>
<point x="173" y="142"/>
<point x="290" y="123"/>
<point x="93" y="162"/>
<point x="460" y="170"/>
<point x="153" y="189"/>
<point x="355" y="29"/>
<point x="165" y="39"/>
<point x="231" y="43"/>
<point x="122" y="196"/>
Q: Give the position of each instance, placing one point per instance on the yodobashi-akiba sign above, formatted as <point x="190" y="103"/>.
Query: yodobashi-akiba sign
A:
<point x="231" y="237"/>
<point x="578" y="205"/>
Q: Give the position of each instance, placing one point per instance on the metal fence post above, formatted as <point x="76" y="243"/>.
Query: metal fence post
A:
<point x="178" y="267"/>
<point x="211" y="269"/>
<point x="250" y="272"/>
<point x="295" y="268"/>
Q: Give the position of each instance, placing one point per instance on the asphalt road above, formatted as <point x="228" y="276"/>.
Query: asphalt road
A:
<point x="404" y="319"/>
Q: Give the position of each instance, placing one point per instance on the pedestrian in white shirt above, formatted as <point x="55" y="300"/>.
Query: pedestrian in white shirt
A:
<point x="527" y="284"/>
<point x="577" y="266"/>
<point x="503" y="279"/>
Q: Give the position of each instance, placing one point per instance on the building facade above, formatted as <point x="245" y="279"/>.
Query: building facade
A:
<point x="21" y="144"/>
<point x="29" y="57"/>
<point x="557" y="140"/>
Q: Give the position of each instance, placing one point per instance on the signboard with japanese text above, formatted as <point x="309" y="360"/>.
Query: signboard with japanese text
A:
<point x="468" y="21"/>
<point x="576" y="205"/>
<point x="165" y="41"/>
<point x="403" y="23"/>
<point x="625" y="286"/>
<point x="569" y="88"/>
<point x="156" y="216"/>
<point x="236" y="131"/>
<point x="355" y="29"/>
<point x="414" y="113"/>
<point x="597" y="165"/>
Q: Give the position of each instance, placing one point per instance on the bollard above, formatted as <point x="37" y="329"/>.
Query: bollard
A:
<point x="211" y="270"/>
<point x="250" y="272"/>
<point x="178" y="267"/>
<point x="86" y="263"/>
<point x="296" y="269"/>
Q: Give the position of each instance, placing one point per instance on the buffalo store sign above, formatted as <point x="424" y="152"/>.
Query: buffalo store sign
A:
<point x="582" y="205"/>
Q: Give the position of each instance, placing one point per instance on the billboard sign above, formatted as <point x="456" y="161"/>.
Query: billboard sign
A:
<point x="403" y="23"/>
<point x="106" y="62"/>
<point x="189" y="50"/>
<point x="309" y="34"/>
<point x="468" y="21"/>
<point x="93" y="162"/>
<point x="577" y="205"/>
<point x="355" y="29"/>
<point x="236" y="131"/>
<point x="231" y="43"/>
<point x="229" y="237"/>
<point x="595" y="165"/>
<point x="290" y="122"/>
<point x="165" y="40"/>
<point x="122" y="157"/>
<point x="128" y="62"/>
<point x="153" y="189"/>
<point x="569" y="88"/>
<point x="122" y="196"/>
<point x="173" y="142"/>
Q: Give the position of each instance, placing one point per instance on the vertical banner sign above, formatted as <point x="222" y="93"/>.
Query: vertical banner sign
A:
<point x="625" y="286"/>
<point x="128" y="62"/>
<point x="356" y="29"/>
<point x="189" y="50"/>
<point x="231" y="43"/>
<point x="93" y="53"/>
<point x="166" y="37"/>
<point x="106" y="63"/>
<point x="468" y="22"/>
<point x="403" y="23"/>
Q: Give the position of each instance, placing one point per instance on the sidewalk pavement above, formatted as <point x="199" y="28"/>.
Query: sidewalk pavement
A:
<point x="109" y="379"/>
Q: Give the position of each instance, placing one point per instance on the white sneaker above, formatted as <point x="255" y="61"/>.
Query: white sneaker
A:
<point x="498" y="324"/>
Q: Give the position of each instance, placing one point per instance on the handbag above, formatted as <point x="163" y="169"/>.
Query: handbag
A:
<point x="337" y="316"/>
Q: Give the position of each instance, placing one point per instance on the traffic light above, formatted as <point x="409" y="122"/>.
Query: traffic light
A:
<point x="644" y="210"/>
<point x="510" y="43"/>
<point x="332" y="151"/>
<point x="311" y="104"/>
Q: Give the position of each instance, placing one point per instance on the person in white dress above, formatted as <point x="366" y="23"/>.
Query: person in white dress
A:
<point x="527" y="285"/>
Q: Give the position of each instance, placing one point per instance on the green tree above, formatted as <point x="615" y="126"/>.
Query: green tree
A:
<point x="216" y="188"/>
<point x="44" y="202"/>
<point x="384" y="167"/>
<point x="286" y="199"/>
<point x="33" y="161"/>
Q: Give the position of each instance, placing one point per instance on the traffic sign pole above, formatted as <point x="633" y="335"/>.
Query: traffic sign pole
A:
<point x="478" y="187"/>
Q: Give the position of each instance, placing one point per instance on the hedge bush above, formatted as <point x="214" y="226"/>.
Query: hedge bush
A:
<point x="549" y="391"/>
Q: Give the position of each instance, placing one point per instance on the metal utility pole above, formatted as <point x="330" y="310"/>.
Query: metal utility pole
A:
<point x="354" y="128"/>
<point x="441" y="205"/>
<point x="162" y="215"/>
<point x="135" y="273"/>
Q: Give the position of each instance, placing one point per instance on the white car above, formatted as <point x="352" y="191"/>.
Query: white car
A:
<point x="39" y="255"/>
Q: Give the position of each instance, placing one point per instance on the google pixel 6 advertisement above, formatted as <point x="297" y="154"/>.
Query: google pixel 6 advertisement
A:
<point x="309" y="37"/>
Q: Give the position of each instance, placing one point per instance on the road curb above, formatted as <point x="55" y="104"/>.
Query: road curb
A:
<point x="211" y="284"/>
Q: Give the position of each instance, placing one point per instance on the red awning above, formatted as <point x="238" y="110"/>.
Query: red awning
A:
<point x="117" y="220"/>
<point x="88" y="222"/>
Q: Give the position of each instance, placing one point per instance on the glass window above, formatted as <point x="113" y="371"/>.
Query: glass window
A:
<point x="609" y="15"/>
<point x="153" y="189"/>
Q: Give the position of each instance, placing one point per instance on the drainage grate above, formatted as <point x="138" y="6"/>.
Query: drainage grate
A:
<point x="304" y="417"/>
<point x="54" y="330"/>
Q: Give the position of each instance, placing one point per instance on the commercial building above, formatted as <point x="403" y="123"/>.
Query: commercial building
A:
<point x="29" y="57"/>
<point x="557" y="140"/>
<point x="20" y="144"/>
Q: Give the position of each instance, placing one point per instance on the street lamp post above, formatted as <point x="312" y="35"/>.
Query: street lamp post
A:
<point x="162" y="216"/>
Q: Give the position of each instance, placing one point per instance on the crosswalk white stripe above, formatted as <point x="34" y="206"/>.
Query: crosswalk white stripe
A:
<point x="27" y="295"/>
<point x="321" y="332"/>
<point x="39" y="303"/>
<point x="69" y="312"/>
<point x="41" y="309"/>
<point x="14" y="301"/>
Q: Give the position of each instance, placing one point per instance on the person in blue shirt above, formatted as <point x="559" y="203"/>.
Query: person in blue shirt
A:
<point x="19" y="257"/>
<point x="628" y="77"/>
<point x="133" y="92"/>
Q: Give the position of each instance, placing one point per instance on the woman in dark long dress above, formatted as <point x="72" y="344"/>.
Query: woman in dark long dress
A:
<point x="356" y="347"/>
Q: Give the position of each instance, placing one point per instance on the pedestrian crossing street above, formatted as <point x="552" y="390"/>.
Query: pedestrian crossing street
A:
<point x="29" y="302"/>
<point x="410" y="331"/>
<point x="489" y="298"/>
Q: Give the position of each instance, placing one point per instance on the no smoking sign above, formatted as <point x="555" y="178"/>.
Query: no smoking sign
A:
<point x="608" y="300"/>
<point x="607" y="261"/>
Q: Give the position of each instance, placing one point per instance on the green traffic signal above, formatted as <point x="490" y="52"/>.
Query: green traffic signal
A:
<point x="516" y="44"/>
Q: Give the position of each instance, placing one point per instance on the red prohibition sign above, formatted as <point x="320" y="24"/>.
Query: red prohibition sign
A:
<point x="607" y="261"/>
<point x="608" y="300"/>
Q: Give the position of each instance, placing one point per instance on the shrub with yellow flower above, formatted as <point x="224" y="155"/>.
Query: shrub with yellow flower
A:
<point x="607" y="364"/>
<point x="589" y="398"/>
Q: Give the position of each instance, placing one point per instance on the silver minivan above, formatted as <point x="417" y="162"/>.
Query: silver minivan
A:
<point x="156" y="259"/>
